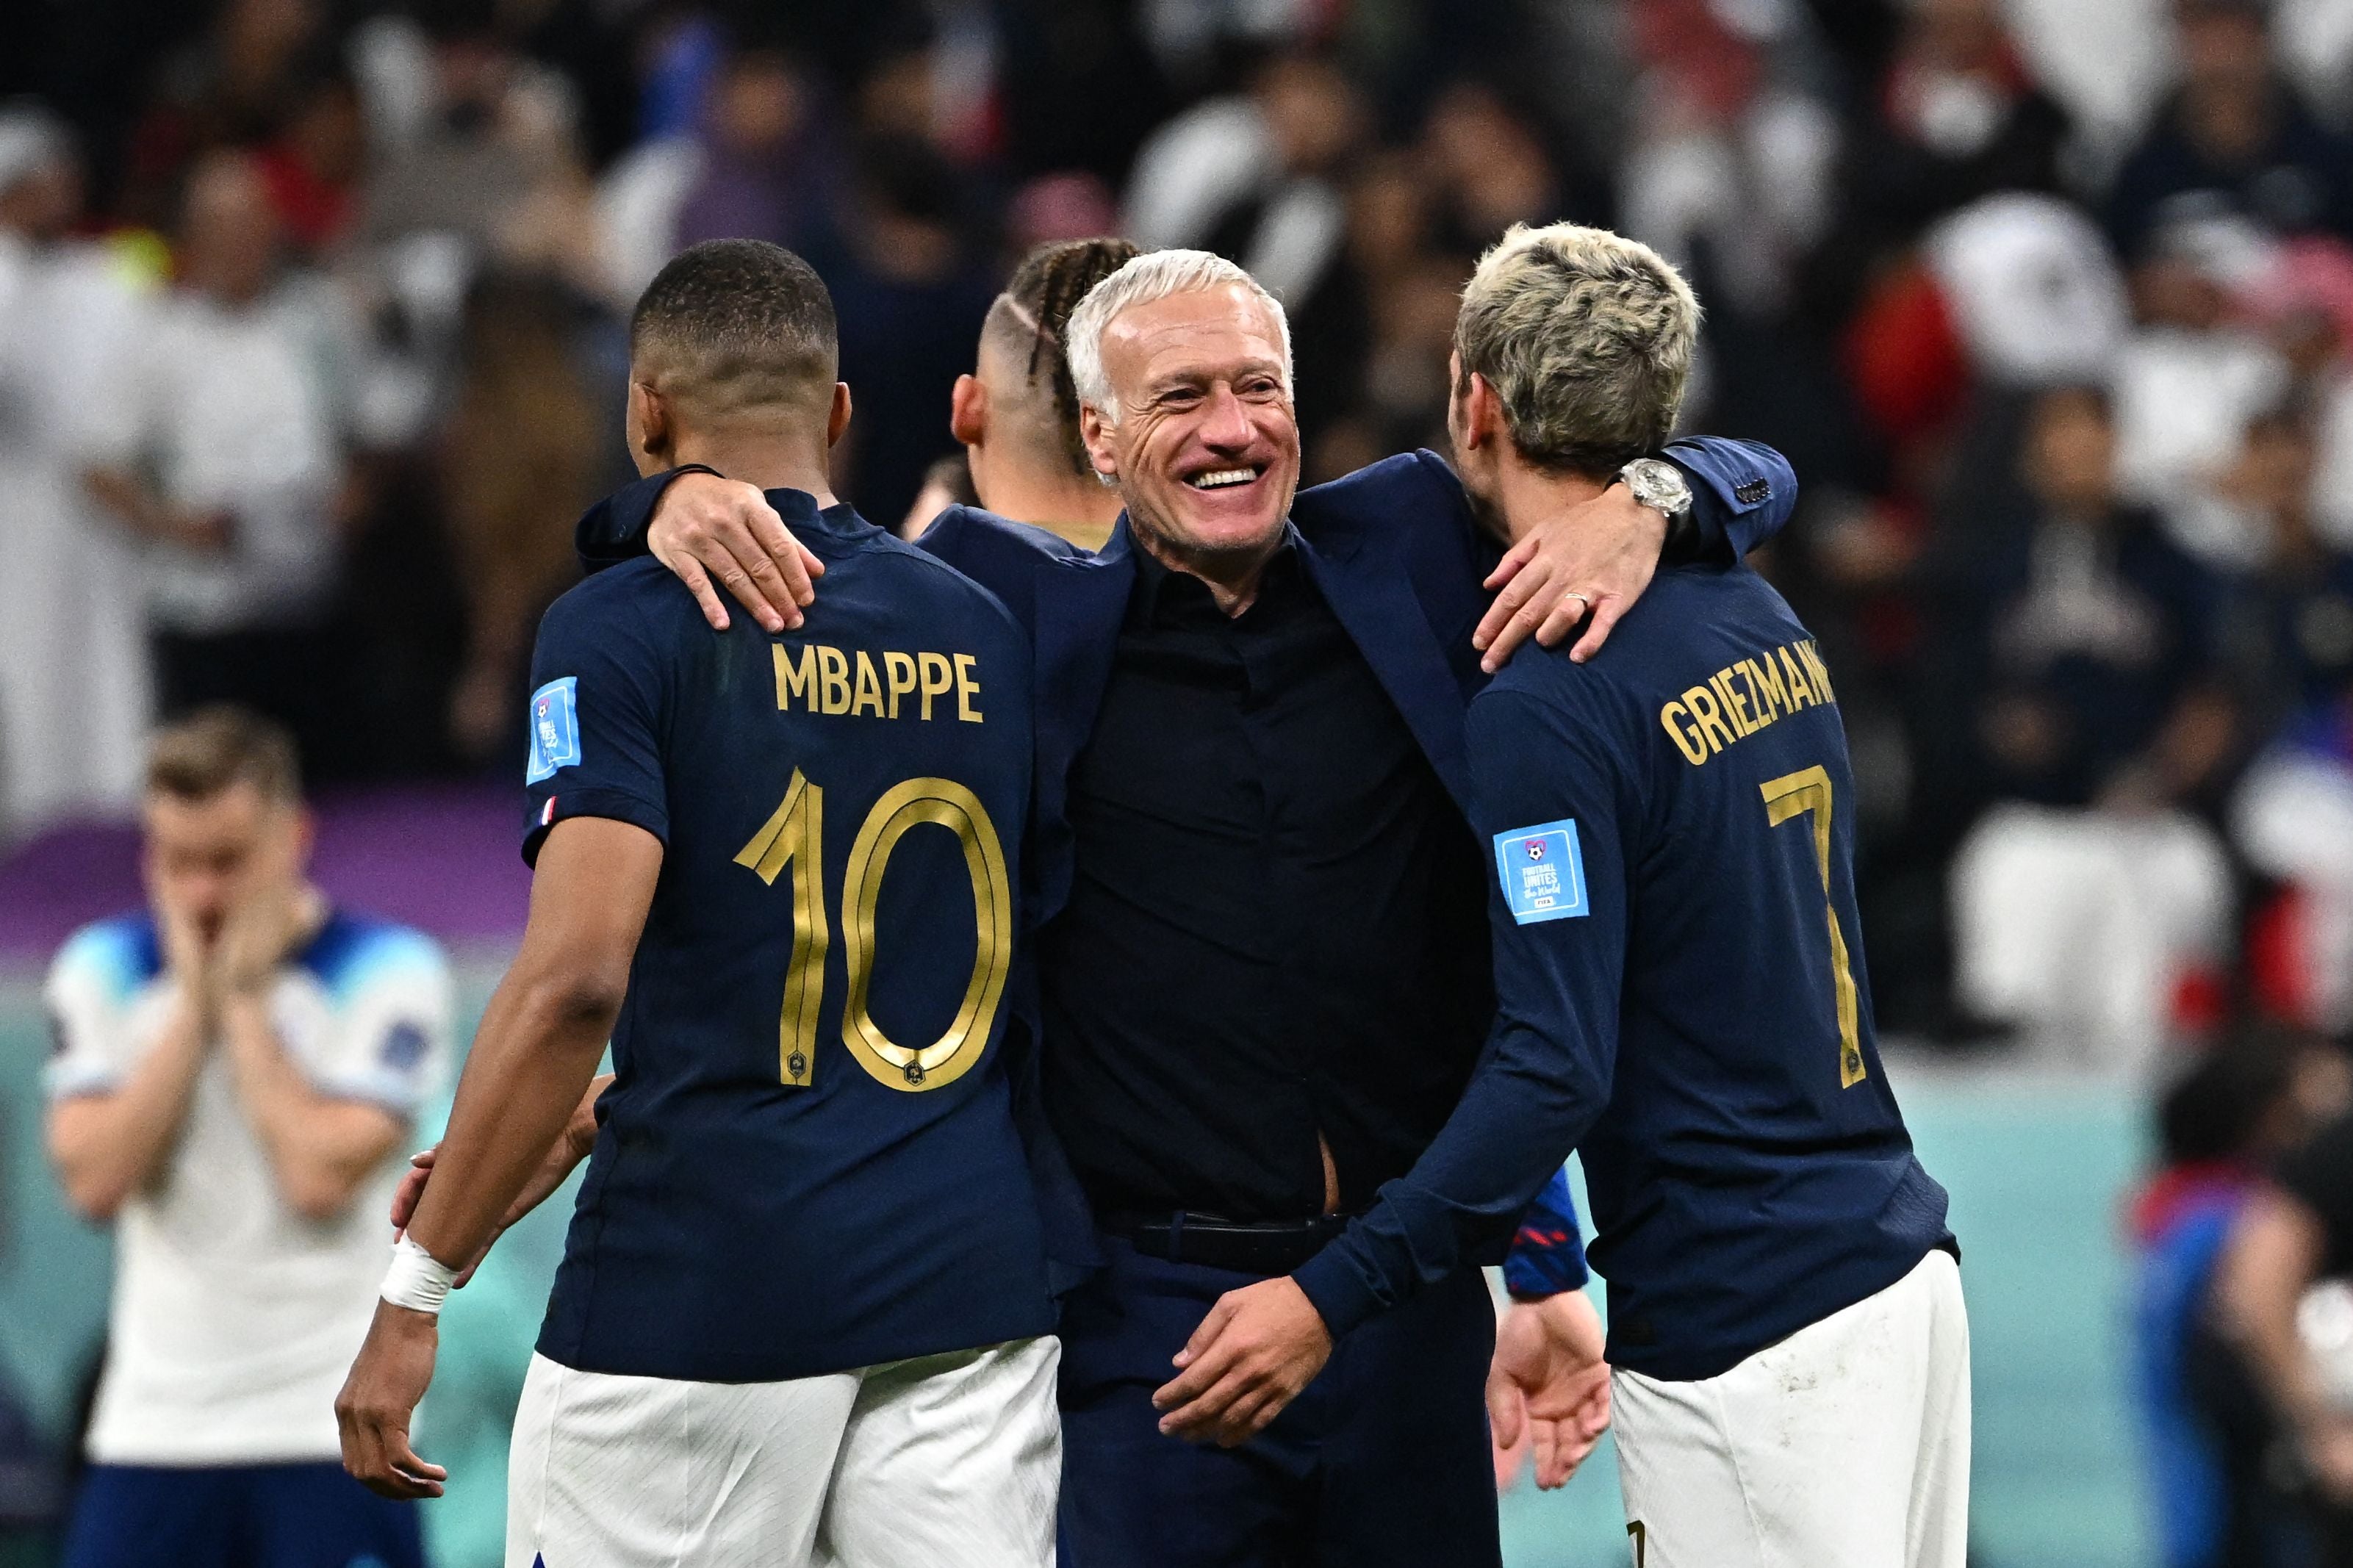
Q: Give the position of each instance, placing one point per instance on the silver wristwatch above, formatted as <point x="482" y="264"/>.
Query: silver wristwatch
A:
<point x="1659" y="485"/>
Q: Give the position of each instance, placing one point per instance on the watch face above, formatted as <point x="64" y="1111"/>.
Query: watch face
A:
<point x="1658" y="484"/>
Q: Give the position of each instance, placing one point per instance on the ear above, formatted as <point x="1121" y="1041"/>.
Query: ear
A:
<point x="968" y="410"/>
<point x="837" y="420"/>
<point x="1482" y="411"/>
<point x="1095" y="431"/>
<point x="649" y="427"/>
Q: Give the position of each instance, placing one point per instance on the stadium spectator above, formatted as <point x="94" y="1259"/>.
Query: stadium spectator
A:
<point x="231" y="87"/>
<point x="236" y="1069"/>
<point x="2089" y="631"/>
<point x="312" y="164"/>
<point x="74" y="691"/>
<point x="2292" y="821"/>
<point x="497" y="128"/>
<point x="1958" y="116"/>
<point x="1289" y="228"/>
<point x="2191" y="377"/>
<point x="2233" y="140"/>
<point x="214" y="443"/>
<point x="2288" y="635"/>
<point x="2293" y="1232"/>
<point x="2248" y="1101"/>
<point x="765" y="168"/>
<point x="525" y="447"/>
<point x="911" y="298"/>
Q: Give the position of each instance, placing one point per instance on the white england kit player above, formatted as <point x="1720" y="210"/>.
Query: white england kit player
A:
<point x="235" y="1071"/>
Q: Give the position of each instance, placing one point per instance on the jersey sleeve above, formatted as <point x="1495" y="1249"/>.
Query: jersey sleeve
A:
<point x="597" y="703"/>
<point x="1552" y="798"/>
<point x="1548" y="1256"/>
<point x="391" y="1042"/>
<point x="86" y="996"/>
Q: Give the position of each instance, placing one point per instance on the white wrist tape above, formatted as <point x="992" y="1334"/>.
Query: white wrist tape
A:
<point x="417" y="1280"/>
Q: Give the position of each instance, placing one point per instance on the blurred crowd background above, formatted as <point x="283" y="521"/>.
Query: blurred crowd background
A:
<point x="311" y="337"/>
<point x="312" y="331"/>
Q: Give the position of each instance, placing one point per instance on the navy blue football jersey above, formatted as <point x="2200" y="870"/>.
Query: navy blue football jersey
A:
<point x="807" y="1160"/>
<point x="1681" y="993"/>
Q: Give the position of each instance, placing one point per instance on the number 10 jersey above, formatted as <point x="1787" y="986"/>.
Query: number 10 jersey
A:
<point x="807" y="1161"/>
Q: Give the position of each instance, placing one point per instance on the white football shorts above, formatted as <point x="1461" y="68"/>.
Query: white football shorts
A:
<point x="950" y="1459"/>
<point x="1844" y="1445"/>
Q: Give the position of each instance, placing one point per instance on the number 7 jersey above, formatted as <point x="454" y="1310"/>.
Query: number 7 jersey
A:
<point x="1672" y="829"/>
<point x="807" y="1161"/>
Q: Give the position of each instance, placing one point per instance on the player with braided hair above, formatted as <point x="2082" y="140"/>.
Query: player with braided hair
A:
<point x="1018" y="412"/>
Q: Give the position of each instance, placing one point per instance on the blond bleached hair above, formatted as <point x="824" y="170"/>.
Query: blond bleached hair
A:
<point x="1587" y="338"/>
<point x="1153" y="276"/>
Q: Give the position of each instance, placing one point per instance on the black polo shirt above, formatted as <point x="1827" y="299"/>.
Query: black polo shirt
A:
<point x="1276" y="928"/>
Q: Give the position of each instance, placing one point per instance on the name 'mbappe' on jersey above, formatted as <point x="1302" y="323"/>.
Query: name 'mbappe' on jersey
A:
<point x="807" y="1161"/>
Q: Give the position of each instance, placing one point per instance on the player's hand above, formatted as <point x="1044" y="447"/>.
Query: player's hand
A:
<point x="1548" y="1384"/>
<point x="1589" y="564"/>
<point x="708" y="530"/>
<point x="379" y="1399"/>
<point x="1257" y="1349"/>
<point x="268" y="922"/>
<point x="187" y="957"/>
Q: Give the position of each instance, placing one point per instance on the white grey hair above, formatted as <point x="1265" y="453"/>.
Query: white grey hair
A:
<point x="1587" y="337"/>
<point x="1155" y="275"/>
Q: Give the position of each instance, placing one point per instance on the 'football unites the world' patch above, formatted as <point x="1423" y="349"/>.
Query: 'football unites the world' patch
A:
<point x="1542" y="871"/>
<point x="555" y="729"/>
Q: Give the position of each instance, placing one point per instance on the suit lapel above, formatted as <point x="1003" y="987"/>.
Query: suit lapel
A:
<point x="1079" y="600"/>
<point x="1384" y="618"/>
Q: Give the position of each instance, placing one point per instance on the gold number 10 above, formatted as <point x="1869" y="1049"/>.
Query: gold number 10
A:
<point x="1797" y="794"/>
<point x="794" y="836"/>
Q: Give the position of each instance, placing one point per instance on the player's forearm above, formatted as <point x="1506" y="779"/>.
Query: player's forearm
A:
<point x="321" y="1148"/>
<point x="532" y="1064"/>
<point x="108" y="1146"/>
<point x="1504" y="1142"/>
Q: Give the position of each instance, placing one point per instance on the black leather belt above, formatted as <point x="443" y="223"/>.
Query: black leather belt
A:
<point x="1273" y="1247"/>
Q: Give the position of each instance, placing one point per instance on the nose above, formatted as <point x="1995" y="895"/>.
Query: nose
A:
<point x="1226" y="423"/>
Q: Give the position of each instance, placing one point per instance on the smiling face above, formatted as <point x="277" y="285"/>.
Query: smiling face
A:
<point x="1205" y="451"/>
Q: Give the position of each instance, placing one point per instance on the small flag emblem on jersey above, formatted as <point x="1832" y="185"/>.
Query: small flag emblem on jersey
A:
<point x="555" y="729"/>
<point x="1541" y="872"/>
<point x="547" y="813"/>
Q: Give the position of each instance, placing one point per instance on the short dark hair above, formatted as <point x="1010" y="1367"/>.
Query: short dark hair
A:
<point x="749" y="324"/>
<point x="212" y="748"/>
<point x="1036" y="309"/>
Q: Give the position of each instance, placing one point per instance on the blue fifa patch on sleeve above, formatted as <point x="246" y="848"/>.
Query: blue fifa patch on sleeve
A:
<point x="1541" y="872"/>
<point x="555" y="729"/>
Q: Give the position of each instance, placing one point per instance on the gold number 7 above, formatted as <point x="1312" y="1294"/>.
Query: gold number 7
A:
<point x="1797" y="794"/>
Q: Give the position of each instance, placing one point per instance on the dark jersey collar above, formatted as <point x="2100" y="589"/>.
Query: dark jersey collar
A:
<point x="802" y="515"/>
